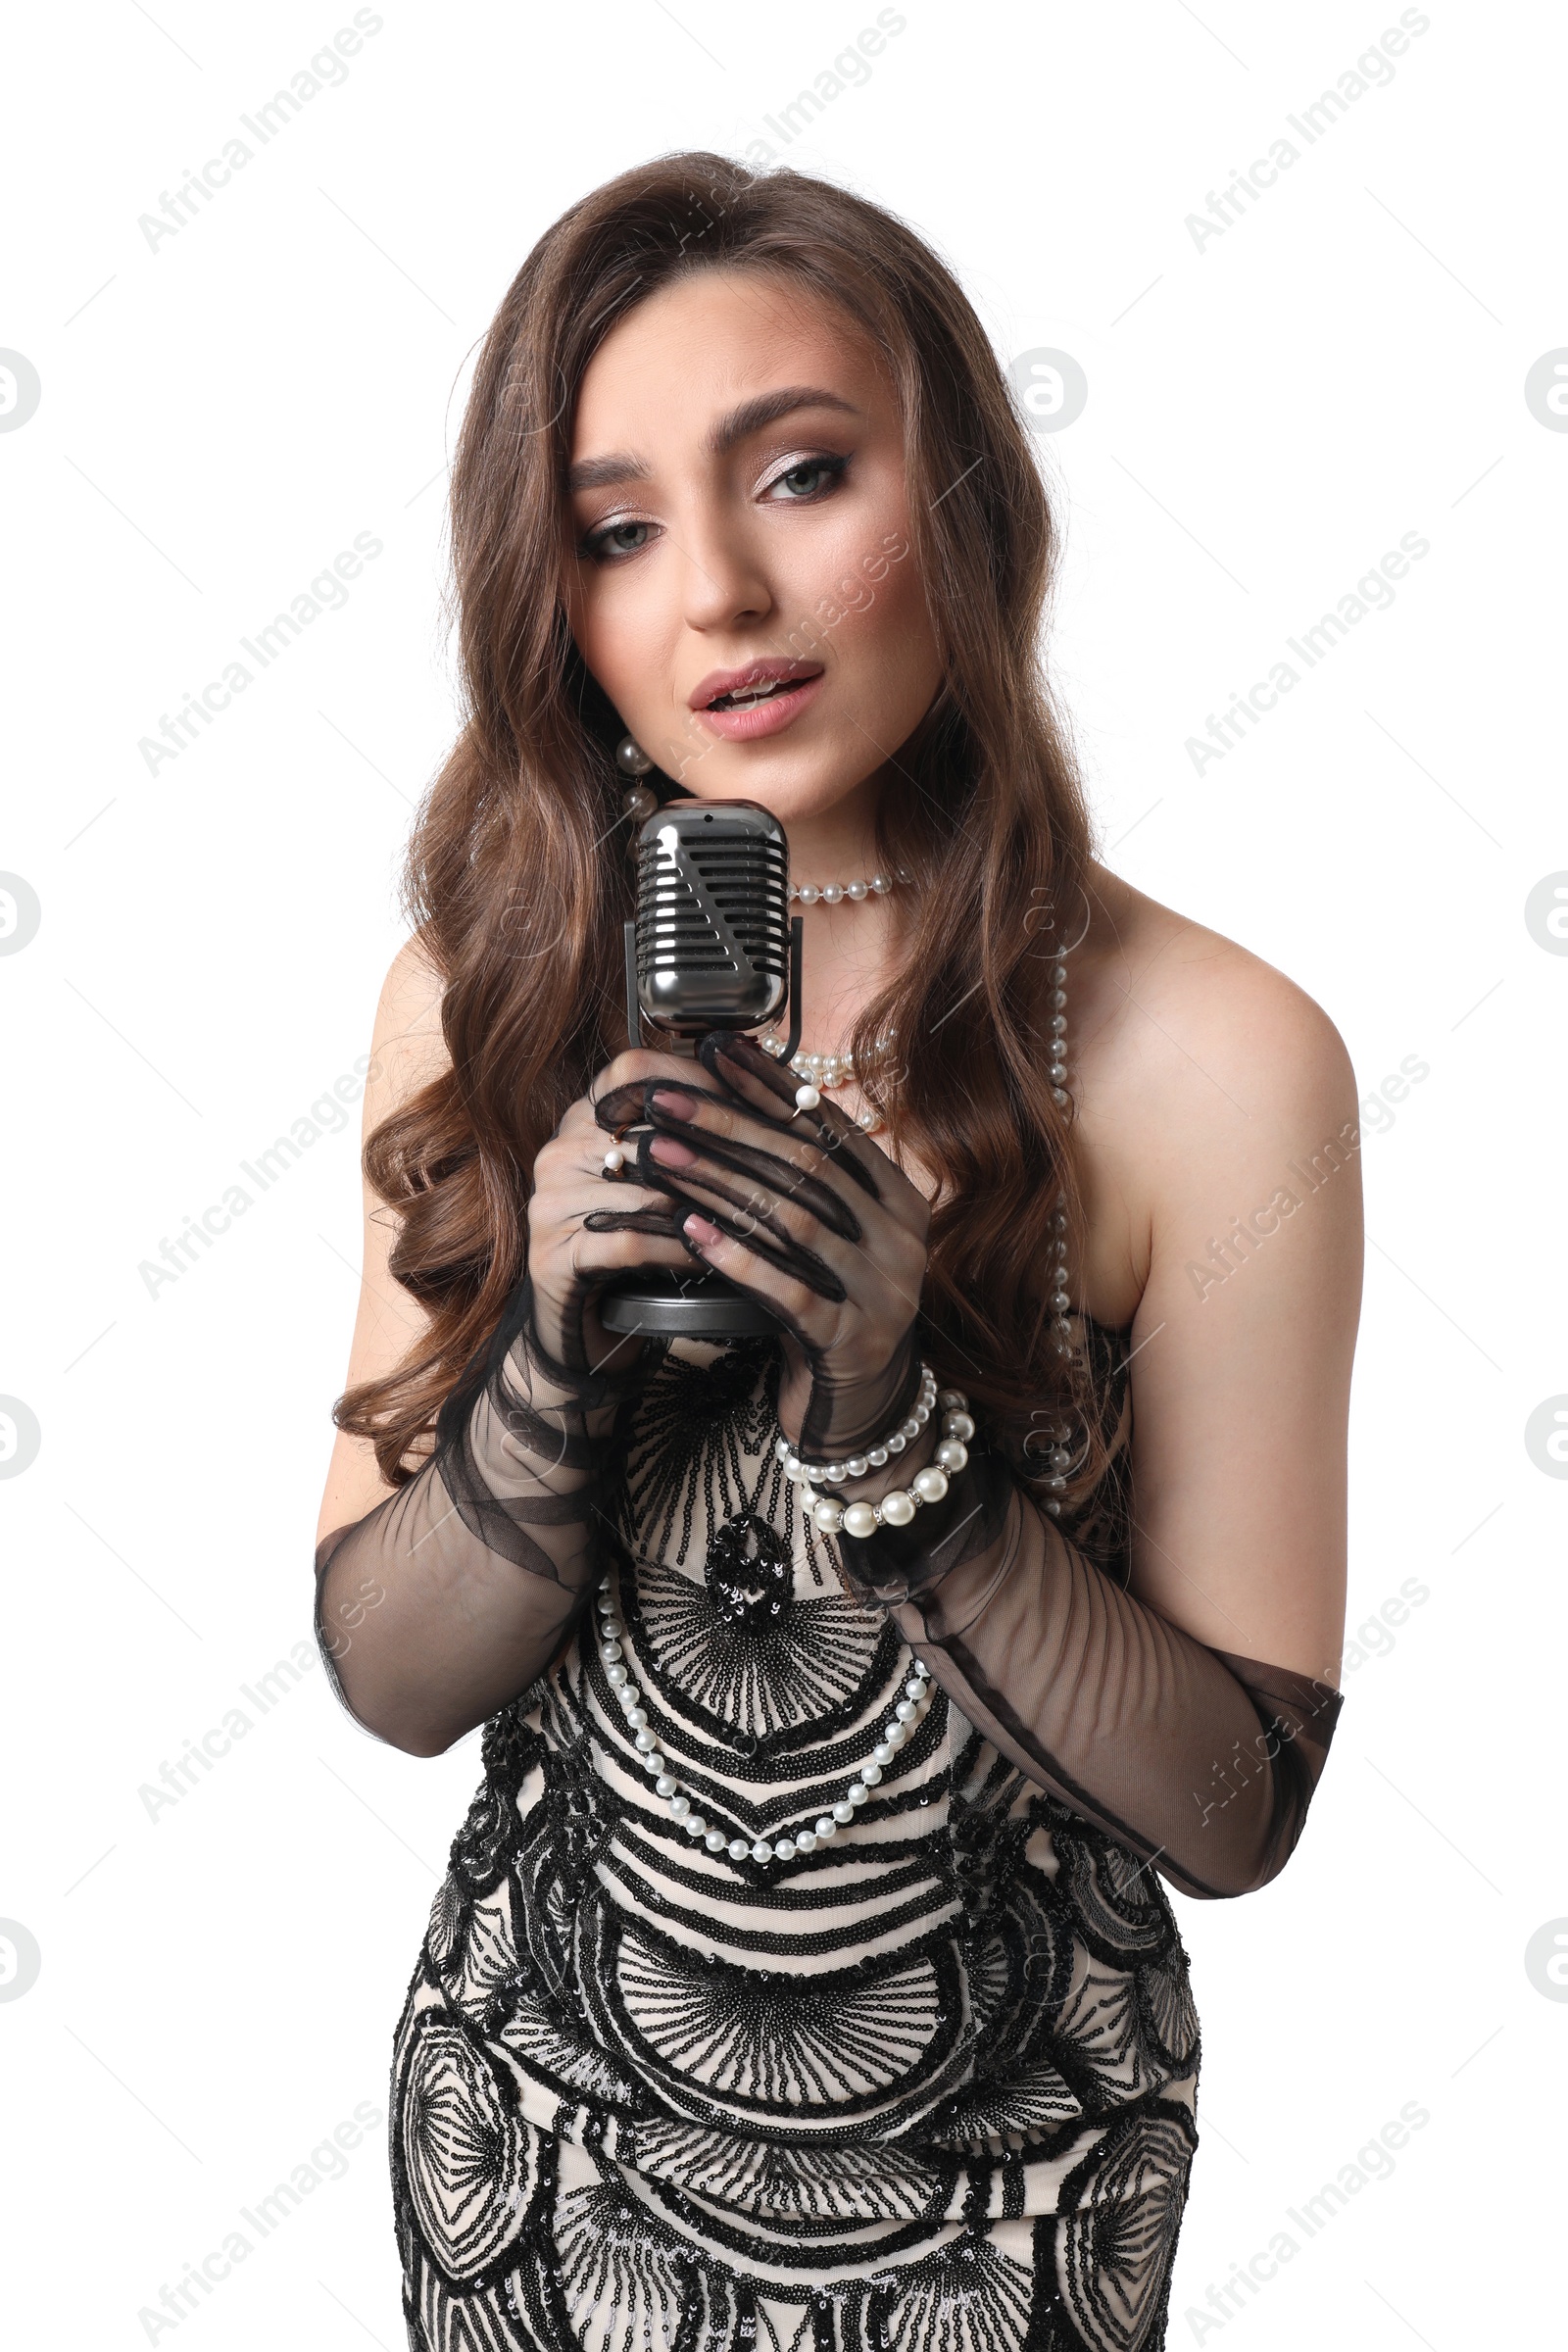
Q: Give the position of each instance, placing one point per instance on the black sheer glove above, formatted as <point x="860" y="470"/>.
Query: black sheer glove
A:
<point x="814" y="1220"/>
<point x="581" y="1236"/>
<point x="1203" y="1761"/>
<point x="452" y="1596"/>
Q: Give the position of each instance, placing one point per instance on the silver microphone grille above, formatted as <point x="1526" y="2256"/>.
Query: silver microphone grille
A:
<point x="713" y="916"/>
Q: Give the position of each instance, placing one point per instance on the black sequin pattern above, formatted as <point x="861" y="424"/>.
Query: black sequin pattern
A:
<point x="930" y="2086"/>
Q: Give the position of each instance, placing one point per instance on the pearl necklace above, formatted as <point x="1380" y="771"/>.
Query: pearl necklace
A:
<point x="903" y="1723"/>
<point x="828" y="1070"/>
<point x="832" y="893"/>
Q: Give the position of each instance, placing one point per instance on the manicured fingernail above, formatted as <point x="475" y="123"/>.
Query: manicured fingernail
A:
<point x="671" y="1150"/>
<point x="701" y="1231"/>
<point x="679" y="1107"/>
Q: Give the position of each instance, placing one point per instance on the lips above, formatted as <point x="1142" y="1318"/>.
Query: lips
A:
<point x="759" y="683"/>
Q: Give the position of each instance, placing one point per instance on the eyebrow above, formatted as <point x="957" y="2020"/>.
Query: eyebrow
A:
<point x="601" y="473"/>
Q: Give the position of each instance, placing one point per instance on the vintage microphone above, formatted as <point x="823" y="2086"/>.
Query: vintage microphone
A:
<point x="713" y="947"/>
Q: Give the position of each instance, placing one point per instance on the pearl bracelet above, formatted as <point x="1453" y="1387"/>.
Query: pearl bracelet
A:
<point x="870" y="1457"/>
<point x="898" y="1508"/>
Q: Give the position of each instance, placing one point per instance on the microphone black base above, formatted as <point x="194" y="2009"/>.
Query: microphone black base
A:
<point x="663" y="1302"/>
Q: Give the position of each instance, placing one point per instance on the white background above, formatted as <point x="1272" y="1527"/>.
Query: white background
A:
<point x="1267" y="414"/>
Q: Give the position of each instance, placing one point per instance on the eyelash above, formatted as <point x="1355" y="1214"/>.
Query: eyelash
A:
<point x="594" y="546"/>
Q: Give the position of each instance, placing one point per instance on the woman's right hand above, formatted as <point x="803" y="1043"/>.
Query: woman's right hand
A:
<point x="571" y="1259"/>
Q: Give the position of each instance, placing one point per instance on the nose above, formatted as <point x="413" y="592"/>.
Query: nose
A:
<point x="725" y="585"/>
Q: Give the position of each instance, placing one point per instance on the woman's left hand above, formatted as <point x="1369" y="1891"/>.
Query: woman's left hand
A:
<point x="802" y="1212"/>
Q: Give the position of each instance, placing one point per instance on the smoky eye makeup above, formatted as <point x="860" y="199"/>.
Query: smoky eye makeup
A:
<point x="803" y="480"/>
<point x="598" y="544"/>
<point x="829" y="466"/>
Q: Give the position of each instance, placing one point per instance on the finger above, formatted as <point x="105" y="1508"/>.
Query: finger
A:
<point x="628" y="1069"/>
<point x="622" y="1106"/>
<point x="611" y="1253"/>
<point x="744" y="1215"/>
<point x="638" y="1063"/>
<point x="762" y="1082"/>
<point x="750" y="1264"/>
<point x="886" y="1242"/>
<point x="713" y="1139"/>
<point x="804" y="1148"/>
<point x="632" y="1208"/>
<point x="877" y="1293"/>
<point x="743" y="1208"/>
<point x="788" y="1155"/>
<point x="634" y="1227"/>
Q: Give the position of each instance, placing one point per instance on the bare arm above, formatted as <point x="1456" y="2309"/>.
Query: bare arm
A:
<point x="1246" y="1327"/>
<point x="407" y="1050"/>
<point x="1190" y="1716"/>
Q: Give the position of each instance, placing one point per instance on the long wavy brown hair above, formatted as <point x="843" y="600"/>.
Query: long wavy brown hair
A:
<point x="517" y="880"/>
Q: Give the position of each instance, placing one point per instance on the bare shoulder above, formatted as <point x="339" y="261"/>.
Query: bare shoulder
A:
<point x="1202" y="1071"/>
<point x="1218" y="1141"/>
<point x="1165" y="993"/>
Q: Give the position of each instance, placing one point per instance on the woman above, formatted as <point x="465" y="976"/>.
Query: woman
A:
<point x="803" y="1976"/>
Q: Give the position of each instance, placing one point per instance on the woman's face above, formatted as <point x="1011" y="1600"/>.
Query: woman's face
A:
<point x="739" y="576"/>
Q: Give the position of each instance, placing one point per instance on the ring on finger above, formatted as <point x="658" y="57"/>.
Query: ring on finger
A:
<point x="614" y="1157"/>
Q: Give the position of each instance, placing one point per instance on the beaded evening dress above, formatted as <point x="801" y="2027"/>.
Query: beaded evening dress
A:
<point x="929" y="2087"/>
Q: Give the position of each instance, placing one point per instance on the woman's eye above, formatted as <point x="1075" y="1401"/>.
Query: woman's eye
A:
<point x="808" y="478"/>
<point x="616" y="539"/>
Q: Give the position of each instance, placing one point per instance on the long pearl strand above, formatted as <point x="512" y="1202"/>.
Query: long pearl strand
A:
<point x="1059" y="1458"/>
<point x="903" y="1723"/>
